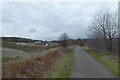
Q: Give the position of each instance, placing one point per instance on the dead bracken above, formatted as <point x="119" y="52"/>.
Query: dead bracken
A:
<point x="35" y="67"/>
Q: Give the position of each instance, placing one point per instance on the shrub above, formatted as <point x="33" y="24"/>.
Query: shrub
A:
<point x="34" y="67"/>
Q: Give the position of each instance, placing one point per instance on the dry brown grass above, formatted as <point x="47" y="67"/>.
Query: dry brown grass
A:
<point x="35" y="67"/>
<point x="112" y="58"/>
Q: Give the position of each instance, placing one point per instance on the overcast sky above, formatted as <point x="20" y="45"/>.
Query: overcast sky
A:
<point x="46" y="21"/>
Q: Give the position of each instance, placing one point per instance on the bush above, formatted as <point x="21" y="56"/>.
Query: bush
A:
<point x="34" y="67"/>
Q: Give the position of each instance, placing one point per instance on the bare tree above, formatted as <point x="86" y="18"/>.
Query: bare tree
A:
<point x="104" y="27"/>
<point x="64" y="40"/>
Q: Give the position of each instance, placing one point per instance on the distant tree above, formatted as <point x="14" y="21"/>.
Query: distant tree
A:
<point x="63" y="39"/>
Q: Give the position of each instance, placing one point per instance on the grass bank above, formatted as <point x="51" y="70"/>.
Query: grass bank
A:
<point x="110" y="64"/>
<point x="63" y="67"/>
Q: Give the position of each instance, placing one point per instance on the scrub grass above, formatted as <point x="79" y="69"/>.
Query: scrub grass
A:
<point x="63" y="67"/>
<point x="109" y="64"/>
<point x="6" y="59"/>
<point x="34" y="67"/>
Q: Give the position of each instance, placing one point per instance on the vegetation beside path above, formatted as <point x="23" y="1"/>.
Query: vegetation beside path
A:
<point x="55" y="64"/>
<point x="112" y="65"/>
<point x="63" y="67"/>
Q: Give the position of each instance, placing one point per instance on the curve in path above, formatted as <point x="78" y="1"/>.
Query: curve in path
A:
<point x="85" y="66"/>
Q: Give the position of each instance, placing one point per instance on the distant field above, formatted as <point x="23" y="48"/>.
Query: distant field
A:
<point x="18" y="50"/>
<point x="7" y="52"/>
<point x="22" y="46"/>
<point x="27" y="47"/>
<point x="21" y="43"/>
<point x="26" y="44"/>
<point x="12" y="54"/>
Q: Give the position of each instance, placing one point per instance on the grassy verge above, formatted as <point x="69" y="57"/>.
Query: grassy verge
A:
<point x="111" y="65"/>
<point x="63" y="67"/>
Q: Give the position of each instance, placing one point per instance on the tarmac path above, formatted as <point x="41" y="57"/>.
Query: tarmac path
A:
<point x="85" y="66"/>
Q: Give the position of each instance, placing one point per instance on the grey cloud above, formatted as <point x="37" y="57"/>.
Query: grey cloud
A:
<point x="48" y="20"/>
<point x="55" y="31"/>
<point x="33" y="30"/>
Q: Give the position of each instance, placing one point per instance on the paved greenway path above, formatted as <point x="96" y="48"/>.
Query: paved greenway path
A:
<point x="85" y="66"/>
